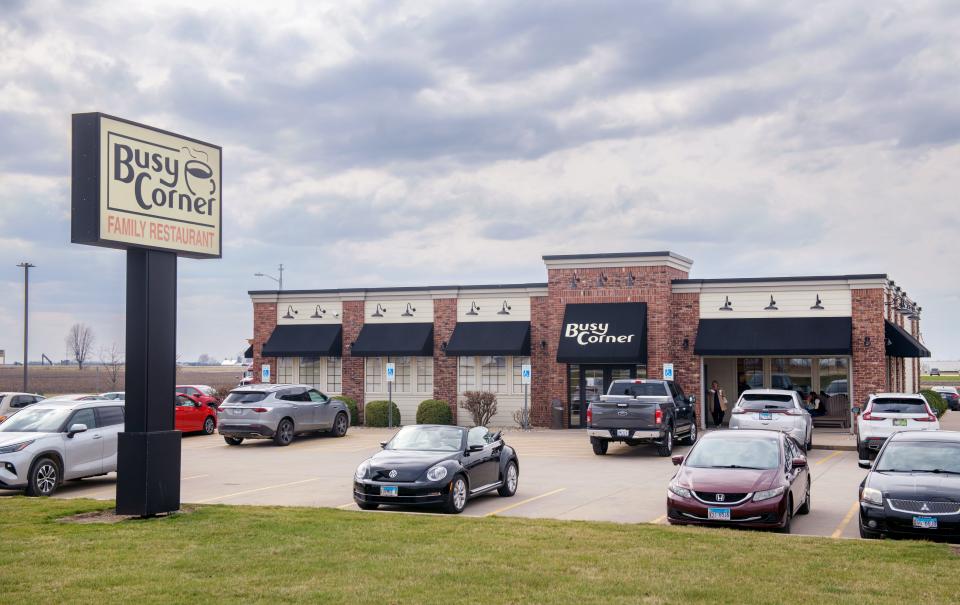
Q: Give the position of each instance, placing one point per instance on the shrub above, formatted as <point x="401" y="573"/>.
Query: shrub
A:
<point x="375" y="414"/>
<point x="937" y="404"/>
<point x="434" y="411"/>
<point x="518" y="417"/>
<point x="482" y="406"/>
<point x="352" y="406"/>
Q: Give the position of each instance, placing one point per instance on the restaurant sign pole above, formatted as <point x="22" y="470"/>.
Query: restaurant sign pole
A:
<point x="158" y="196"/>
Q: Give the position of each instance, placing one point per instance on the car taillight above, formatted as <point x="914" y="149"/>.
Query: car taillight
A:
<point x="931" y="417"/>
<point x="589" y="414"/>
<point x="793" y="412"/>
<point x="260" y="410"/>
<point x="658" y="417"/>
<point x="869" y="416"/>
<point x="2" y="418"/>
<point x="738" y="411"/>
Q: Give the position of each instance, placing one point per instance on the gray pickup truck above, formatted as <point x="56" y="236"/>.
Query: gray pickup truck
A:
<point x="642" y="411"/>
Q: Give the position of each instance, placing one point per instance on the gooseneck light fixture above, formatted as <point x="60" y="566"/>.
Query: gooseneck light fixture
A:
<point x="504" y="309"/>
<point x="379" y="311"/>
<point x="290" y="312"/>
<point x="474" y="308"/>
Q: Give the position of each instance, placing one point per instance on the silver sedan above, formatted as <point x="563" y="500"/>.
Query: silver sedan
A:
<point x="773" y="409"/>
<point x="278" y="412"/>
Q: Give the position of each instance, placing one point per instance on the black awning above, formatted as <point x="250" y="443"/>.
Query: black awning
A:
<point x="901" y="343"/>
<point x="380" y="340"/>
<point x="775" y="336"/>
<point x="490" y="338"/>
<point x="248" y="354"/>
<point x="604" y="333"/>
<point x="318" y="340"/>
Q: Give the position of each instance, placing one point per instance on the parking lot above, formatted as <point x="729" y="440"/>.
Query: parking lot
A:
<point x="560" y="478"/>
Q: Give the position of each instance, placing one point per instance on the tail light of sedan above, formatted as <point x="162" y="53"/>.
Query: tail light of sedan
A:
<point x="589" y="414"/>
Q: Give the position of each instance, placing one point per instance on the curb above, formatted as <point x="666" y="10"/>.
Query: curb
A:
<point x="842" y="448"/>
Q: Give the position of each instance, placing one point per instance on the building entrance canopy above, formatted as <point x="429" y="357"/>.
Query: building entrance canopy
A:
<point x="608" y="333"/>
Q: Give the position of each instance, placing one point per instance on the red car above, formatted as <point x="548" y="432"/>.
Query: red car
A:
<point x="206" y="394"/>
<point x="748" y="478"/>
<point x="193" y="415"/>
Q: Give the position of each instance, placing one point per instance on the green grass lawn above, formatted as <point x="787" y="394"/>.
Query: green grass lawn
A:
<point x="241" y="554"/>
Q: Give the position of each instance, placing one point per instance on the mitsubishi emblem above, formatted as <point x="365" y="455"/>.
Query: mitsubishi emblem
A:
<point x="924" y="508"/>
<point x="392" y="473"/>
<point x="720" y="497"/>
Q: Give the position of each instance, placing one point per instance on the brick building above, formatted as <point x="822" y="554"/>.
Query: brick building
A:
<point x="598" y="317"/>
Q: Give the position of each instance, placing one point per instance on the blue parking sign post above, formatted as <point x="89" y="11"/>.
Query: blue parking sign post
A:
<point x="391" y="374"/>
<point x="668" y="371"/>
<point x="525" y="376"/>
<point x="265" y="373"/>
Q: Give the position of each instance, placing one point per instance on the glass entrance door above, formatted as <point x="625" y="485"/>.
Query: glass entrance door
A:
<point x="588" y="383"/>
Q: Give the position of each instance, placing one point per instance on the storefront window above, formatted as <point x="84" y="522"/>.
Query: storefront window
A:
<point x="518" y="363"/>
<point x="793" y="373"/>
<point x="641" y="371"/>
<point x="424" y="374"/>
<point x="285" y="369"/>
<point x="493" y="374"/>
<point x="374" y="375"/>
<point x="749" y="374"/>
<point x="835" y="381"/>
<point x="310" y="372"/>
<point x="466" y="374"/>
<point x="401" y="381"/>
<point x="334" y="373"/>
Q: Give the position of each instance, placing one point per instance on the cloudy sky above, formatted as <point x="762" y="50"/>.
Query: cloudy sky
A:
<point x="410" y="143"/>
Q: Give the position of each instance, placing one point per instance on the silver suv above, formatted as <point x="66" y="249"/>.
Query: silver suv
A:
<point x="54" y="440"/>
<point x="278" y="412"/>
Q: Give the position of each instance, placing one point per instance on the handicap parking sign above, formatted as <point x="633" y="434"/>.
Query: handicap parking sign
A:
<point x="525" y="374"/>
<point x="391" y="372"/>
<point x="668" y="371"/>
<point x="265" y="373"/>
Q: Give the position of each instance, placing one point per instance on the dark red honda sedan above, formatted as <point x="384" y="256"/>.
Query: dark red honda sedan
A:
<point x="749" y="478"/>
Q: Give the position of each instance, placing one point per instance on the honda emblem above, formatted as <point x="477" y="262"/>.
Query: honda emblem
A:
<point x="720" y="497"/>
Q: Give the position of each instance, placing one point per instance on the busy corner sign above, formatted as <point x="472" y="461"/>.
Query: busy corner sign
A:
<point x="135" y="186"/>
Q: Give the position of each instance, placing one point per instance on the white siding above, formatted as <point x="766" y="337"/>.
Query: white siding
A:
<point x="789" y="303"/>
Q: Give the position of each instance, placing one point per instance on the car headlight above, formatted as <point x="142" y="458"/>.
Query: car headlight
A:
<point x="16" y="447"/>
<point x="680" y="491"/>
<point x="436" y="473"/>
<point x="768" y="493"/>
<point x="362" y="470"/>
<point x="872" y="496"/>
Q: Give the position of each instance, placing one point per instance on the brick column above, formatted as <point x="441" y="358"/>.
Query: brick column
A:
<point x="684" y="320"/>
<point x="869" y="362"/>
<point x="548" y="376"/>
<point x="444" y="367"/>
<point x="352" y="366"/>
<point x="264" y="322"/>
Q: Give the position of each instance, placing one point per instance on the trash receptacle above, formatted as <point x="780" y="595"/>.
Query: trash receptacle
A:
<point x="556" y="414"/>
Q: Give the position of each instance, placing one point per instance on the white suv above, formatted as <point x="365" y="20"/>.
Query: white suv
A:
<point x="51" y="441"/>
<point x="776" y="410"/>
<point x="887" y="413"/>
<point x="11" y="403"/>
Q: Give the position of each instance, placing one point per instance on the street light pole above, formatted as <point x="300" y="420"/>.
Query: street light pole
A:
<point x="26" y="330"/>
<point x="279" y="281"/>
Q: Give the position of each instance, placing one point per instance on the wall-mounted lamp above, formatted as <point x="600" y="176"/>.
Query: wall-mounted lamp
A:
<point x="290" y="312"/>
<point x="818" y="306"/>
<point x="866" y="342"/>
<point x="318" y="313"/>
<point x="772" y="306"/>
<point x="504" y="309"/>
<point x="379" y="311"/>
<point x="573" y="281"/>
<point x="686" y="344"/>
<point x="408" y="312"/>
<point x="443" y="346"/>
<point x="350" y="345"/>
<point x="726" y="304"/>
<point x="630" y="280"/>
<point x="474" y="308"/>
<point x="601" y="280"/>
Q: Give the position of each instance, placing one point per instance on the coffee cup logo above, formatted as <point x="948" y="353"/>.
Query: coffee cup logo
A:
<point x="200" y="178"/>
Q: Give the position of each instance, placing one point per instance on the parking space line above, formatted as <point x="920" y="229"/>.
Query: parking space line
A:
<point x="822" y="460"/>
<point x="252" y="491"/>
<point x="846" y="520"/>
<point x="522" y="502"/>
<point x="345" y="506"/>
<point x="193" y="477"/>
<point x="658" y="520"/>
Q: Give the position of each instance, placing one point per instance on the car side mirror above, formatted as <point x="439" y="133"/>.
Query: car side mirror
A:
<point x="677" y="460"/>
<point x="855" y="410"/>
<point x="692" y="399"/>
<point x="496" y="436"/>
<point x="864" y="464"/>
<point x="76" y="428"/>
<point x="475" y="448"/>
<point x="799" y="463"/>
<point x="383" y="444"/>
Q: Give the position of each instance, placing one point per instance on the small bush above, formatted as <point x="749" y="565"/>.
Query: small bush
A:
<point x="518" y="417"/>
<point x="375" y="414"/>
<point x="937" y="404"/>
<point x="482" y="406"/>
<point x="434" y="411"/>
<point x="352" y="406"/>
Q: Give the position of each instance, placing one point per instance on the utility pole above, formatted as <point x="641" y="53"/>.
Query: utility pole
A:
<point x="26" y="330"/>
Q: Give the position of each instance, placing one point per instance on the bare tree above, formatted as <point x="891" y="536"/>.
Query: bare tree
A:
<point x="205" y="360"/>
<point x="79" y="342"/>
<point x="112" y="359"/>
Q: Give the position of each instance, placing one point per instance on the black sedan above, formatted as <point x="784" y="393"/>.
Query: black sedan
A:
<point x="437" y="465"/>
<point x="913" y="487"/>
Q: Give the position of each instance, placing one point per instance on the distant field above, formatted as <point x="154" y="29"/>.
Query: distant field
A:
<point x="946" y="380"/>
<point x="59" y="380"/>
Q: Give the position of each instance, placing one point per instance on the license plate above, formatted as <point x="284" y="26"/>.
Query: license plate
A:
<point x="925" y="522"/>
<point x="899" y="422"/>
<point x="388" y="490"/>
<point x="623" y="433"/>
<point x="718" y="514"/>
<point x="766" y="416"/>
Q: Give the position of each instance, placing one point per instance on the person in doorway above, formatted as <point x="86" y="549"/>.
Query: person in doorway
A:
<point x="742" y="384"/>
<point x="814" y="404"/>
<point x="718" y="402"/>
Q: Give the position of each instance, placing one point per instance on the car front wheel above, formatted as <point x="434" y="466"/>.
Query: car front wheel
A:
<point x="284" y="434"/>
<point x="339" y="425"/>
<point x="510" y="480"/>
<point x="44" y="477"/>
<point x="805" y="507"/>
<point x="785" y="528"/>
<point x="457" y="496"/>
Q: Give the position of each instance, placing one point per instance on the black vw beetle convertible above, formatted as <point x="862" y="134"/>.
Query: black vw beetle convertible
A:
<point x="434" y="465"/>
